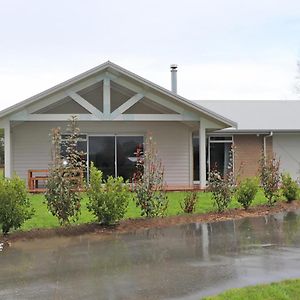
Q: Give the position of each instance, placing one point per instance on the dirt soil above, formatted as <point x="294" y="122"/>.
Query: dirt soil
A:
<point x="132" y="225"/>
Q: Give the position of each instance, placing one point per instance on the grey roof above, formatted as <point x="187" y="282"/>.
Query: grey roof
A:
<point x="258" y="115"/>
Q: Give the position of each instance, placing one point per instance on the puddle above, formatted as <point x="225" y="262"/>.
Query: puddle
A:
<point x="180" y="262"/>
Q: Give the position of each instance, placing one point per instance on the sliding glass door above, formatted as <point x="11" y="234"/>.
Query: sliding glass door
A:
<point x="102" y="154"/>
<point x="114" y="155"/>
<point x="126" y="159"/>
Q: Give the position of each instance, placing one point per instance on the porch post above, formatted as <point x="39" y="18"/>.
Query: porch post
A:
<point x="7" y="150"/>
<point x="202" y="155"/>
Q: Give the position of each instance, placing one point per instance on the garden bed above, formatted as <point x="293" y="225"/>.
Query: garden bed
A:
<point x="134" y="224"/>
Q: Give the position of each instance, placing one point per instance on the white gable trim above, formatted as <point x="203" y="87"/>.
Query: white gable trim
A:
<point x="125" y="106"/>
<point x="87" y="105"/>
<point x="93" y="76"/>
<point x="31" y="113"/>
<point x="90" y="117"/>
<point x="106" y="96"/>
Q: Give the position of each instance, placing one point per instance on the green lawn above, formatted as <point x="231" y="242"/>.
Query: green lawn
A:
<point x="43" y="219"/>
<point x="285" y="290"/>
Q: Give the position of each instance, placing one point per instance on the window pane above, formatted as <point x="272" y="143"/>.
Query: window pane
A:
<point x="220" y="157"/>
<point x="81" y="147"/>
<point x="102" y="154"/>
<point x="217" y="157"/>
<point x="126" y="149"/>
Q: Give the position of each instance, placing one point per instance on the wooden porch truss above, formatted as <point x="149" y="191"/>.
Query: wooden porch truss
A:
<point x="94" y="114"/>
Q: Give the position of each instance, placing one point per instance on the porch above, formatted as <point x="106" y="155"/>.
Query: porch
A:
<point x="110" y="102"/>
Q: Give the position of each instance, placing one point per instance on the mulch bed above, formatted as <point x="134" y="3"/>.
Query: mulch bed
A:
<point x="131" y="225"/>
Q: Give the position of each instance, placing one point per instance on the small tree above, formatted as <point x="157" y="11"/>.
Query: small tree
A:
<point x="148" y="181"/>
<point x="188" y="205"/>
<point x="222" y="187"/>
<point x="270" y="177"/>
<point x="247" y="191"/>
<point x="15" y="207"/>
<point x="289" y="187"/>
<point x="62" y="195"/>
<point x="108" y="199"/>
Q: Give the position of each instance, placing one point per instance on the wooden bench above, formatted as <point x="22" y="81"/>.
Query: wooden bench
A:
<point x="36" y="177"/>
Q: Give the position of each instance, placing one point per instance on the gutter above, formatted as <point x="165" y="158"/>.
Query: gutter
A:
<point x="265" y="143"/>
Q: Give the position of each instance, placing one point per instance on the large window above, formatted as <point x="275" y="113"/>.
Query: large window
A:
<point x="114" y="155"/>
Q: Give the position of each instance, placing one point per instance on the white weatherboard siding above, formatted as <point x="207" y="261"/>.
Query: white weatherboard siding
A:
<point x="31" y="145"/>
<point x="287" y="149"/>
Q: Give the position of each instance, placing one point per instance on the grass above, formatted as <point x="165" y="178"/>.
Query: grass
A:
<point x="285" y="290"/>
<point x="43" y="219"/>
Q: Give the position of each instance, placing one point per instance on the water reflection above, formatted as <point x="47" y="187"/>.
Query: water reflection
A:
<point x="180" y="262"/>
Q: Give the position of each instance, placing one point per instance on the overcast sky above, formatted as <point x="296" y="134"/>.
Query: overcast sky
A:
<point x="225" y="49"/>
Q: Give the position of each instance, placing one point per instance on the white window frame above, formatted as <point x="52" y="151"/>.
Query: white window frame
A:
<point x="115" y="135"/>
<point x="216" y="142"/>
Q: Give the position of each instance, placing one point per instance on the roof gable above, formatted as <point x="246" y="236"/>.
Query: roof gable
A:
<point x="81" y="88"/>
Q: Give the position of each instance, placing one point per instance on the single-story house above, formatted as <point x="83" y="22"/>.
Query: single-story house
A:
<point x="117" y="108"/>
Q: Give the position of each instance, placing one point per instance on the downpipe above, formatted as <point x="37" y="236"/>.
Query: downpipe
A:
<point x="265" y="144"/>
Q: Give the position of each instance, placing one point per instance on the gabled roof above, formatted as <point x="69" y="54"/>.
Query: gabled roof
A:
<point x="109" y="66"/>
<point x="258" y="115"/>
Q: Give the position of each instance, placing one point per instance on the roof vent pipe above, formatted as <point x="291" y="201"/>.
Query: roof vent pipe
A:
<point x="174" y="78"/>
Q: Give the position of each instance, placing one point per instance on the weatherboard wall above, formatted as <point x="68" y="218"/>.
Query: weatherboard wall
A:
<point x="31" y="145"/>
<point x="287" y="149"/>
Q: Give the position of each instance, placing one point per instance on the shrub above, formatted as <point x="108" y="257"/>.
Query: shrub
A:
<point x="289" y="187"/>
<point x="189" y="202"/>
<point x="270" y="178"/>
<point x="62" y="196"/>
<point x="247" y="191"/>
<point x="222" y="187"/>
<point x="222" y="190"/>
<point x="148" y="181"/>
<point x="15" y="206"/>
<point x="108" y="200"/>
